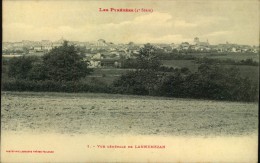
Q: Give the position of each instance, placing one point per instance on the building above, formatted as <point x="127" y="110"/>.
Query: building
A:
<point x="38" y="48"/>
<point x="58" y="43"/>
<point x="94" y="63"/>
<point x="101" y="43"/>
<point x="198" y="43"/>
<point x="184" y="46"/>
<point x="196" y="40"/>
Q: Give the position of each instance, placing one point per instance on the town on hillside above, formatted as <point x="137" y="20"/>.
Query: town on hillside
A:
<point x="104" y="54"/>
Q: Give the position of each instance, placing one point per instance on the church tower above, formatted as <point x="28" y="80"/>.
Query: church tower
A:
<point x="196" y="40"/>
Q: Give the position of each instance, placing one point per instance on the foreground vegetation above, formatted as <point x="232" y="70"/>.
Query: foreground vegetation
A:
<point x="64" y="70"/>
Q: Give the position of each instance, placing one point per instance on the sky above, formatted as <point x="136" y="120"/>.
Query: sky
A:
<point x="172" y="21"/>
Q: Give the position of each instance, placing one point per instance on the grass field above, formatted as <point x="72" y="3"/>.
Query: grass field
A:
<point x="252" y="72"/>
<point x="106" y="75"/>
<point x="190" y="64"/>
<point x="228" y="55"/>
<point x="237" y="56"/>
<point x="120" y="114"/>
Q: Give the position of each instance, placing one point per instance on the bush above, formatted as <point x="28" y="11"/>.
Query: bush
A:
<point x="148" y="58"/>
<point x="129" y="63"/>
<point x="140" y="82"/>
<point x="53" y="86"/>
<point x="210" y="82"/>
<point x="19" y="67"/>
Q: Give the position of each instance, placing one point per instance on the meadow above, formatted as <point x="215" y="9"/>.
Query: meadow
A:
<point x="108" y="75"/>
<point x="236" y="56"/>
<point x="252" y="72"/>
<point x="89" y="113"/>
<point x="105" y="75"/>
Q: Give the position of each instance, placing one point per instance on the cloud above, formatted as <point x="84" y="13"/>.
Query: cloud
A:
<point x="65" y="28"/>
<point x="153" y="27"/>
<point x="210" y="20"/>
<point x="144" y="28"/>
<point x="153" y="19"/>
<point x="182" y="23"/>
<point x="172" y="22"/>
<point x="148" y="38"/>
<point x="218" y="33"/>
<point x="14" y="26"/>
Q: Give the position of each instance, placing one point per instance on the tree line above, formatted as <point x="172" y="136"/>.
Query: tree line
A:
<point x="63" y="70"/>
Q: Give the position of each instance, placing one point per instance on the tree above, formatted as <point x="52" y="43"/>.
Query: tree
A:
<point x="141" y="82"/>
<point x="148" y="59"/>
<point x="37" y="72"/>
<point x="216" y="82"/>
<point x="64" y="64"/>
<point x="19" y="67"/>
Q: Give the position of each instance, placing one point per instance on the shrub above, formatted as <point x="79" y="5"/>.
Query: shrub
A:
<point x="19" y="67"/>
<point x="210" y="82"/>
<point x="53" y="86"/>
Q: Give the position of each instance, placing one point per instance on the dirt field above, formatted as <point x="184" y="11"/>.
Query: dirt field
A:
<point x="120" y="114"/>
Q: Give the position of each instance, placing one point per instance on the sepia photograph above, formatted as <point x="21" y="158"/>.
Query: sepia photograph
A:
<point x="130" y="81"/>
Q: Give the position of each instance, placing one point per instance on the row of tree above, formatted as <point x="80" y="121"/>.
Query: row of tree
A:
<point x="63" y="68"/>
<point x="210" y="82"/>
